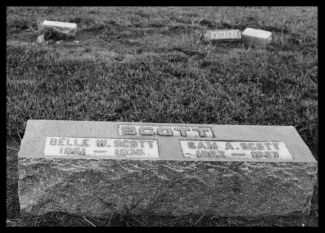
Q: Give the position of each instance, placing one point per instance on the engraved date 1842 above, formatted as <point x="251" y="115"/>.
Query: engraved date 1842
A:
<point x="233" y="149"/>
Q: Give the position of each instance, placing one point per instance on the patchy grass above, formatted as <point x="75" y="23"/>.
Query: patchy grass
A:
<point x="152" y="65"/>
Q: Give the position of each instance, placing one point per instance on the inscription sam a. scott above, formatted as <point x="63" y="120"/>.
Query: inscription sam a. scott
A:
<point x="227" y="149"/>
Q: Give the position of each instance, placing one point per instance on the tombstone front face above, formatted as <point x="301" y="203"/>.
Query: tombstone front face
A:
<point x="223" y="35"/>
<point x="99" y="168"/>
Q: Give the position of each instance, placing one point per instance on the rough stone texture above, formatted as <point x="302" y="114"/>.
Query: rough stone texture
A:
<point x="98" y="188"/>
<point x="164" y="186"/>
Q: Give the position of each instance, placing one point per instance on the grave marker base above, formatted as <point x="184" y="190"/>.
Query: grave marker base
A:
<point x="171" y="184"/>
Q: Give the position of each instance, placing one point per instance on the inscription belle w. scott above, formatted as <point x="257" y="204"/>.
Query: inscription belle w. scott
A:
<point x="101" y="147"/>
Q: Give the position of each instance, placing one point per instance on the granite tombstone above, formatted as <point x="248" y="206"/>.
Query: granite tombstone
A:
<point x="99" y="168"/>
<point x="223" y="35"/>
<point x="256" y="37"/>
<point x="61" y="29"/>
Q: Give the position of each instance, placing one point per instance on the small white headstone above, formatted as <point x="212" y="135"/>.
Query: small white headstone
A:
<point x="256" y="37"/>
<point x="223" y="35"/>
<point x="63" y="27"/>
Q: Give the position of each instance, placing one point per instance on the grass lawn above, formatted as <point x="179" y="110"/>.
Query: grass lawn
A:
<point x="153" y="65"/>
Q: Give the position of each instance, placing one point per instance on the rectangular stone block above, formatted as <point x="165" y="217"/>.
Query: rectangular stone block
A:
<point x="223" y="35"/>
<point x="95" y="169"/>
<point x="256" y="37"/>
<point x="63" y="27"/>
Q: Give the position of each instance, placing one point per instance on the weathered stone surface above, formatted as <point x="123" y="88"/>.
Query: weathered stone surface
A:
<point x="256" y="37"/>
<point x="222" y="35"/>
<point x="100" y="187"/>
<point x="171" y="184"/>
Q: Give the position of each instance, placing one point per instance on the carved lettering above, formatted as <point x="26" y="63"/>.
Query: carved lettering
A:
<point x="234" y="149"/>
<point x="201" y="146"/>
<point x="201" y="131"/>
<point x="133" y="144"/>
<point x="150" y="144"/>
<point x="61" y="142"/>
<point x="164" y="132"/>
<point x="128" y="130"/>
<point x="56" y="146"/>
<point x="182" y="131"/>
<point x="53" y="141"/>
<point x="146" y="131"/>
<point x="251" y="146"/>
<point x="276" y="145"/>
<point x="213" y="145"/>
<point x="275" y="154"/>
<point x="267" y="144"/>
<point x="101" y="142"/>
<point x="68" y="143"/>
<point x="259" y="146"/>
<point x="229" y="146"/>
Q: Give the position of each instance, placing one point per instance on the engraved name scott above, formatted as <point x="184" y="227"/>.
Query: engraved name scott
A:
<point x="166" y="131"/>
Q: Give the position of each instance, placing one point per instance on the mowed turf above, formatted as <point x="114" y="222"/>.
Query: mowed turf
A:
<point x="153" y="65"/>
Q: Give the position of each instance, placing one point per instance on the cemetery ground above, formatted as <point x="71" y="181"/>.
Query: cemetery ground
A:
<point x="153" y="65"/>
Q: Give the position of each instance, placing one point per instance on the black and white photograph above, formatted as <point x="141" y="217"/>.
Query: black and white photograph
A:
<point x="162" y="116"/>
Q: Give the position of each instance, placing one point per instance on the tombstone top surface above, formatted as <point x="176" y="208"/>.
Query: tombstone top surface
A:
<point x="257" y="33"/>
<point x="37" y="135"/>
<point x="59" y="24"/>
